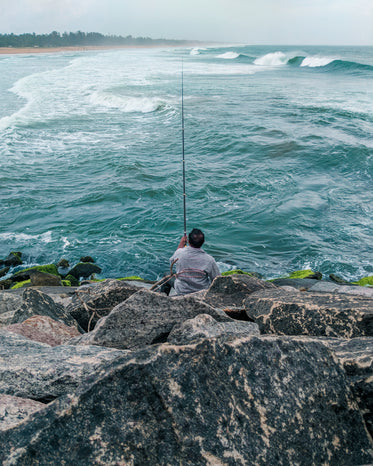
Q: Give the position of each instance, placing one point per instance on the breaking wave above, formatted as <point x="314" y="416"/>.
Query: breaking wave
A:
<point x="127" y="104"/>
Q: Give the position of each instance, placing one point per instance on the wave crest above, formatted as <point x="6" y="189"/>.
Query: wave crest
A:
<point x="125" y="103"/>
<point x="229" y="55"/>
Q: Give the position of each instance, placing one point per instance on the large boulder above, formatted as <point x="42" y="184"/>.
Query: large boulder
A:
<point x="29" y="369"/>
<point x="37" y="303"/>
<point x="84" y="270"/>
<point x="98" y="300"/>
<point x="356" y="356"/>
<point x="14" y="409"/>
<point x="205" y="326"/>
<point x="9" y="303"/>
<point x="254" y="400"/>
<point x="44" y="279"/>
<point x="320" y="314"/>
<point x="144" y="319"/>
<point x="232" y="290"/>
<point x="44" y="329"/>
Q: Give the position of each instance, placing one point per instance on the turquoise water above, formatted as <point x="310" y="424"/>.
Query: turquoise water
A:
<point x="279" y="157"/>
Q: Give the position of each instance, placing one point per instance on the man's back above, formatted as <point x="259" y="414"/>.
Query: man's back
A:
<point x="195" y="268"/>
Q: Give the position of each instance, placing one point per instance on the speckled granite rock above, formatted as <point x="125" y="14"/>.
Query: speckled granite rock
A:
<point x="320" y="314"/>
<point x="37" y="303"/>
<point x="205" y="326"/>
<point x="9" y="303"/>
<point x="256" y="400"/>
<point x="35" y="370"/>
<point x="356" y="356"/>
<point x="44" y="329"/>
<point x="144" y="319"/>
<point x="232" y="290"/>
<point x="13" y="410"/>
<point x="103" y="297"/>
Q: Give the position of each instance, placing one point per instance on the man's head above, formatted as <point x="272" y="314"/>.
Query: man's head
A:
<point x="196" y="238"/>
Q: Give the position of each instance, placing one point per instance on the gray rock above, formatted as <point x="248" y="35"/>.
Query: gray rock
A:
<point x="356" y="356"/>
<point x="44" y="279"/>
<point x="9" y="302"/>
<point x="102" y="297"/>
<point x="205" y="326"/>
<point x="144" y="319"/>
<point x="13" y="410"/>
<point x="37" y="371"/>
<point x="319" y="314"/>
<point x="4" y="271"/>
<point x="255" y="400"/>
<point x="37" y="303"/>
<point x="330" y="287"/>
<point x="300" y="283"/>
<point x="84" y="270"/>
<point x="232" y="290"/>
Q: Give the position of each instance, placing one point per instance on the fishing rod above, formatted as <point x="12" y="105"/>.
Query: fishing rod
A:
<point x="182" y="136"/>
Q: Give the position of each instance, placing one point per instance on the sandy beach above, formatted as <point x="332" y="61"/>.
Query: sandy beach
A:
<point x="20" y="50"/>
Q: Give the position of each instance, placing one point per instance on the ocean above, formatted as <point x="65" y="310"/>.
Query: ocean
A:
<point x="278" y="149"/>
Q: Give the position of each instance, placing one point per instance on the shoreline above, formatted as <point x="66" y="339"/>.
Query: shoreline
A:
<point x="86" y="48"/>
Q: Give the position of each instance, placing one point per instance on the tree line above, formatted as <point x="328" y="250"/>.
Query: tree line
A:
<point x="79" y="38"/>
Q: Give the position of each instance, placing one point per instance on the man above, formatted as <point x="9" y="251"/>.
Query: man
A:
<point x="195" y="268"/>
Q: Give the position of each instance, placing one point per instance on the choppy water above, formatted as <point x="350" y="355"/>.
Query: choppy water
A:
<point x="279" y="156"/>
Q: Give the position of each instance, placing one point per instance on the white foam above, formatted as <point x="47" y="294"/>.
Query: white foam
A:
<point x="24" y="237"/>
<point x="196" y="51"/>
<point x="125" y="103"/>
<point x="315" y="61"/>
<point x="229" y="55"/>
<point x="272" y="59"/>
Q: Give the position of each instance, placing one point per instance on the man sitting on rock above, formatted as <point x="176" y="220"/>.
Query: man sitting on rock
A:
<point x="195" y="269"/>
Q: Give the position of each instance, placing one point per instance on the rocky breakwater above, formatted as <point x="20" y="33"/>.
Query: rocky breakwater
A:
<point x="162" y="380"/>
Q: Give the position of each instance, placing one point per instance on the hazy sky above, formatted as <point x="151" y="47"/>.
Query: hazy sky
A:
<point x="247" y="21"/>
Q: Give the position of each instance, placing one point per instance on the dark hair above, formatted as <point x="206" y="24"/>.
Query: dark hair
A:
<point x="196" y="238"/>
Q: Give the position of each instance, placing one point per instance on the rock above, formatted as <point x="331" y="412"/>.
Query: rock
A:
<point x="337" y="279"/>
<point x="44" y="279"/>
<point x="102" y="297"/>
<point x="63" y="263"/>
<point x="232" y="290"/>
<point x="303" y="284"/>
<point x="356" y="356"/>
<point x="37" y="303"/>
<point x="4" y="271"/>
<point x="74" y="281"/>
<point x="6" y="284"/>
<point x="87" y="259"/>
<point x="13" y="259"/>
<point x="9" y="303"/>
<point x="37" y="371"/>
<point x="44" y="329"/>
<point x="319" y="314"/>
<point x="342" y="289"/>
<point x="254" y="400"/>
<point x="84" y="270"/>
<point x="145" y="318"/>
<point x="205" y="326"/>
<point x="13" y="410"/>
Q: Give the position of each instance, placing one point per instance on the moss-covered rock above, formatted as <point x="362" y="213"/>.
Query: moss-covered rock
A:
<point x="73" y="281"/>
<point x="133" y="277"/>
<point x="14" y="258"/>
<point x="66" y="282"/>
<point x="49" y="268"/>
<point x="21" y="284"/>
<point x="236" y="272"/>
<point x="308" y="273"/>
<point x="63" y="263"/>
<point x="366" y="281"/>
<point x="87" y="259"/>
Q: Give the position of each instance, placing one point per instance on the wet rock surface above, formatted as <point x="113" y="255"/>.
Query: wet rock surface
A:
<point x="254" y="400"/>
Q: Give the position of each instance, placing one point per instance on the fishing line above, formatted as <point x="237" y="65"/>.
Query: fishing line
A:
<point x="182" y="135"/>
